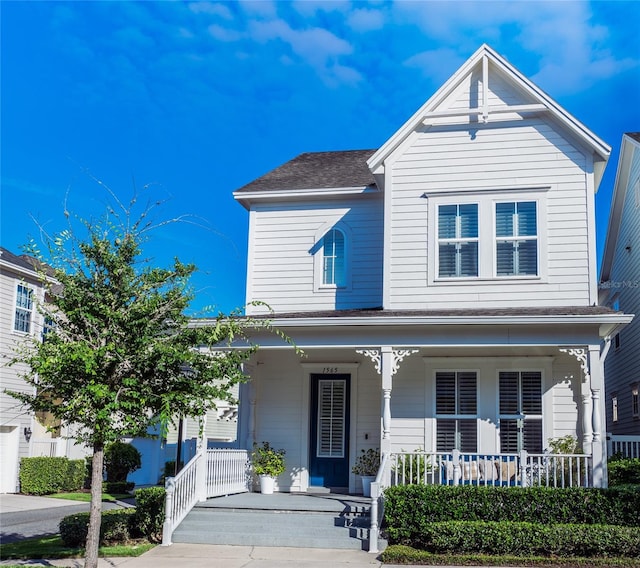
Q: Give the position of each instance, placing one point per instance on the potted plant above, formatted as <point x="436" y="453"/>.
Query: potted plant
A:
<point x="367" y="466"/>
<point x="267" y="465"/>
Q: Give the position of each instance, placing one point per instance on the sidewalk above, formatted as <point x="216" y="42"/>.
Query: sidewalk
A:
<point x="220" y="556"/>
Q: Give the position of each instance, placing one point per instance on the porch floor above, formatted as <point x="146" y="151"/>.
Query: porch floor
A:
<point x="310" y="502"/>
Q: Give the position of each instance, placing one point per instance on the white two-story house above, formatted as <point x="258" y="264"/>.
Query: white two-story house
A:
<point x="443" y="288"/>
<point x="620" y="289"/>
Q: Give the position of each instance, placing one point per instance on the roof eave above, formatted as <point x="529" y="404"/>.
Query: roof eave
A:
<point x="248" y="197"/>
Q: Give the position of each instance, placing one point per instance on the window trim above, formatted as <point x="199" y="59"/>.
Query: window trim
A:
<point x="520" y="415"/>
<point x="318" y="258"/>
<point x="515" y="238"/>
<point x="456" y="416"/>
<point x="614" y="407"/>
<point x="486" y="200"/>
<point x="32" y="297"/>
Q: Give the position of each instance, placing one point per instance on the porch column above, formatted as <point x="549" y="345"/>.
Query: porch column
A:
<point x="387" y="361"/>
<point x="201" y="466"/>
<point x="598" y="451"/>
<point x="581" y="355"/>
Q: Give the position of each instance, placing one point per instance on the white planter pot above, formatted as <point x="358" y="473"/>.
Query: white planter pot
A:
<point x="366" y="484"/>
<point x="267" y="484"/>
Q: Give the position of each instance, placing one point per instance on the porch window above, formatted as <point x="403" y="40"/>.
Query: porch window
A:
<point x="520" y="411"/>
<point x="24" y="309"/>
<point x="614" y="407"/>
<point x="456" y="409"/>
<point x="516" y="239"/>
<point x="458" y="240"/>
<point x="635" y="403"/>
<point x="333" y="258"/>
<point x="331" y="418"/>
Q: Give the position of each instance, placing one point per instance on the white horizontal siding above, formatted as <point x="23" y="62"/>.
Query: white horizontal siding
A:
<point x="503" y="156"/>
<point x="282" y="255"/>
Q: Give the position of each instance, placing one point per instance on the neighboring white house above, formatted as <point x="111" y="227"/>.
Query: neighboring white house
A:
<point x="443" y="286"/>
<point x="620" y="289"/>
<point x="22" y="434"/>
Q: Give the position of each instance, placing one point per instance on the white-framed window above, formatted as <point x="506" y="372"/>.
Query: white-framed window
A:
<point x="24" y="309"/>
<point x="520" y="407"/>
<point x="456" y="411"/>
<point x="516" y="238"/>
<point x="487" y="236"/>
<point x="635" y="402"/>
<point x="614" y="407"/>
<point x="458" y="240"/>
<point x="333" y="258"/>
<point x="636" y="192"/>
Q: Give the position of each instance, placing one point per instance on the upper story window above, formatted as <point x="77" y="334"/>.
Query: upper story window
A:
<point x="333" y="258"/>
<point x="458" y="240"/>
<point x="516" y="239"/>
<point x="24" y="309"/>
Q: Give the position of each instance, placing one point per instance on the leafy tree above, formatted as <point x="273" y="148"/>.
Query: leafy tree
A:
<point x="120" y="460"/>
<point x="121" y="354"/>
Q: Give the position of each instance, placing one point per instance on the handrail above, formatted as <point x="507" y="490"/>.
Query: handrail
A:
<point x="377" y="511"/>
<point x="182" y="495"/>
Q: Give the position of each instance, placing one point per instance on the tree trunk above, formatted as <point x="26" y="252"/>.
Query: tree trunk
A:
<point x="95" y="514"/>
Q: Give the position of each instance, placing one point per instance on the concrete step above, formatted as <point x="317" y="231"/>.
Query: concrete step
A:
<point x="275" y="528"/>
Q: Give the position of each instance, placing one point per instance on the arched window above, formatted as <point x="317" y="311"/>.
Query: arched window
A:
<point x="333" y="262"/>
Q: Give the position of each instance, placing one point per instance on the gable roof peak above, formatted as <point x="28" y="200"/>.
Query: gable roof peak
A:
<point x="490" y="62"/>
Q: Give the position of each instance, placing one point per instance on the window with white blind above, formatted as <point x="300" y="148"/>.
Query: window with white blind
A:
<point x="333" y="258"/>
<point x="456" y="411"/>
<point x="635" y="401"/>
<point x="331" y="418"/>
<point x="516" y="239"/>
<point x="520" y="411"/>
<point x="24" y="309"/>
<point x="458" y="240"/>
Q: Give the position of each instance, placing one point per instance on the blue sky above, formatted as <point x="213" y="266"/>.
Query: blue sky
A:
<point x="186" y="102"/>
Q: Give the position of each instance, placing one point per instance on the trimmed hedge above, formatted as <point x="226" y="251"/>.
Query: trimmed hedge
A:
<point x="527" y="539"/>
<point x="46" y="475"/>
<point x="623" y="470"/>
<point x="150" y="513"/>
<point x="117" y="486"/>
<point x="114" y="528"/>
<point x="410" y="508"/>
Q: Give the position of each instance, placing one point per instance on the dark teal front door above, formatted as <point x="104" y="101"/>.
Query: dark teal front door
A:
<point x="329" y="436"/>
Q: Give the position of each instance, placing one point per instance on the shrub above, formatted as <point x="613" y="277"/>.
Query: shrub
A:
<point x="113" y="529"/>
<point x="46" y="475"/>
<point x="528" y="539"/>
<point x="266" y="460"/>
<point x="120" y="460"/>
<point x="149" y="515"/>
<point x="117" y="486"/>
<point x="410" y="508"/>
<point x="623" y="471"/>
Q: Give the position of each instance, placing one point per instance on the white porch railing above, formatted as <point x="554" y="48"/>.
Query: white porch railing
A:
<point x="522" y="470"/>
<point x="46" y="447"/>
<point x="227" y="472"/>
<point x="209" y="474"/>
<point x="628" y="446"/>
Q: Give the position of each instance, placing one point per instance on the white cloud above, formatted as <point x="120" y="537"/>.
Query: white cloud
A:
<point x="363" y="20"/>
<point x="264" y="8"/>
<point x="312" y="7"/>
<point x="437" y="64"/>
<point x="224" y="33"/>
<point x="212" y="8"/>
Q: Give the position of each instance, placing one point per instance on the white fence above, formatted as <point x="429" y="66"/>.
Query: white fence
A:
<point x="182" y="495"/>
<point x="627" y="446"/>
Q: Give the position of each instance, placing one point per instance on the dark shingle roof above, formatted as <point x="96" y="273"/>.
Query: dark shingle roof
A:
<point x="634" y="135"/>
<point x="23" y="261"/>
<point x="316" y="170"/>
<point x="453" y="312"/>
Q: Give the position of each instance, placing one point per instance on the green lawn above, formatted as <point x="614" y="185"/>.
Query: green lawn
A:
<point x="85" y="496"/>
<point x="52" y="547"/>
